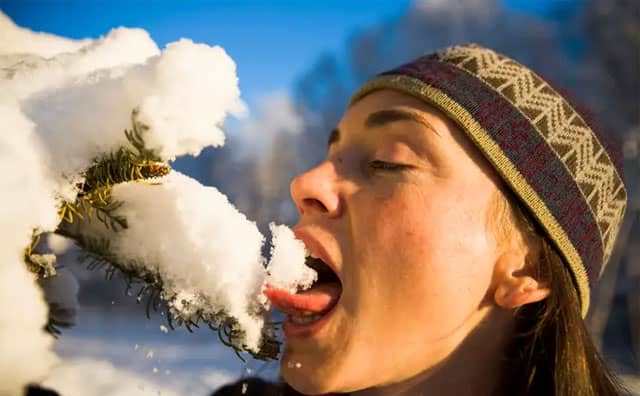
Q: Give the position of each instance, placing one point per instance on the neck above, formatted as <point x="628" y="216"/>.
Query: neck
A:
<point x="474" y="366"/>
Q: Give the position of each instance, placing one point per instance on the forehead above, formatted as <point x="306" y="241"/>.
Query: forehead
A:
<point x="384" y="107"/>
<point x="358" y="113"/>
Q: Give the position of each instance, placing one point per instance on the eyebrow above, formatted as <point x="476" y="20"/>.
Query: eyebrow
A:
<point x="383" y="117"/>
<point x="387" y="116"/>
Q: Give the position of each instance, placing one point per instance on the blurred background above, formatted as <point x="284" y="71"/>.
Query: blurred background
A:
<point x="298" y="63"/>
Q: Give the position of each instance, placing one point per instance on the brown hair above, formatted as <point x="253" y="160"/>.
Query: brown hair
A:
<point x="552" y="352"/>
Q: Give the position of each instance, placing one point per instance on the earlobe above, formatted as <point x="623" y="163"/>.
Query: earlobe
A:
<point x="525" y="291"/>
<point x="514" y="287"/>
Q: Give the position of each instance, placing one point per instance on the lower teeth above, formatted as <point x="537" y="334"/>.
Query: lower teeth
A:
<point x="306" y="319"/>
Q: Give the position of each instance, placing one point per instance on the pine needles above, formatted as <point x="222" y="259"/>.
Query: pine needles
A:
<point x="127" y="164"/>
<point x="42" y="265"/>
<point x="98" y="255"/>
<point x="137" y="163"/>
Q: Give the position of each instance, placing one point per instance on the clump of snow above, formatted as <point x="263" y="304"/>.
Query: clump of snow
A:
<point x="287" y="269"/>
<point x="15" y="40"/>
<point x="26" y="349"/>
<point x="26" y="188"/>
<point x="24" y="72"/>
<point x="206" y="252"/>
<point x="27" y="204"/>
<point x="181" y="95"/>
<point x="194" y="88"/>
<point x="85" y="93"/>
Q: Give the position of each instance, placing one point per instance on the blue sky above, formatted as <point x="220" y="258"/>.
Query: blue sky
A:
<point x="272" y="42"/>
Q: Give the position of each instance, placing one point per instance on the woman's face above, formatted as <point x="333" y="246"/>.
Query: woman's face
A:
<point x="400" y="207"/>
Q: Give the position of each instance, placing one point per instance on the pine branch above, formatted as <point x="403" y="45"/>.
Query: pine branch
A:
<point x="134" y="136"/>
<point x="42" y="265"/>
<point x="121" y="166"/>
<point x="97" y="255"/>
<point x="128" y="164"/>
<point x="98" y="203"/>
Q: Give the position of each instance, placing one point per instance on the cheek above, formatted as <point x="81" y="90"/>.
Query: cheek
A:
<point x="463" y="256"/>
<point x="431" y="254"/>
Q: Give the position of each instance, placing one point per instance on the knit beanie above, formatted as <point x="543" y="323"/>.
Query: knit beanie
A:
<point x="566" y="173"/>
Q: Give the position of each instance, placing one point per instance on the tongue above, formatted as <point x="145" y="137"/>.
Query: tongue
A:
<point x="319" y="299"/>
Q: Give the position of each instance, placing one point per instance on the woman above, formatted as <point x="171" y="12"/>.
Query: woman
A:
<point x="462" y="215"/>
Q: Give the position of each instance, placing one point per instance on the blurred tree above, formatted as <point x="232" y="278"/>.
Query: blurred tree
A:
<point x="324" y="90"/>
<point x="261" y="161"/>
<point x="612" y="35"/>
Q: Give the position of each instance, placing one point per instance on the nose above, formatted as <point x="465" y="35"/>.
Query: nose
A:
<point x="315" y="191"/>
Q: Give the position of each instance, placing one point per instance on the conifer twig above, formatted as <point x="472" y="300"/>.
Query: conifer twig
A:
<point x="136" y="162"/>
<point x="97" y="254"/>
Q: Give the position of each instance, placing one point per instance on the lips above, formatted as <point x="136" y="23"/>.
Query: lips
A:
<point x="309" y="309"/>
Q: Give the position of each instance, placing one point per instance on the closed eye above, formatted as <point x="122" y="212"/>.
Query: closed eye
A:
<point x="387" y="166"/>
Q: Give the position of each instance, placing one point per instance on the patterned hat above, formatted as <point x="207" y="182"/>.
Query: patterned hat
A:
<point x="565" y="172"/>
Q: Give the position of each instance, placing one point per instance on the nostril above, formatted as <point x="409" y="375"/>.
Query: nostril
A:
<point x="312" y="203"/>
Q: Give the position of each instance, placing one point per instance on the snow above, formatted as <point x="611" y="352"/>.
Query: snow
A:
<point x="25" y="72"/>
<point x="286" y="268"/>
<point x="27" y="203"/>
<point x="65" y="103"/>
<point x="15" y="39"/>
<point x="183" y="95"/>
<point x="206" y="252"/>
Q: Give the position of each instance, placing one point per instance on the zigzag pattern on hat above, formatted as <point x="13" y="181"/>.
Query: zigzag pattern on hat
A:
<point x="562" y="127"/>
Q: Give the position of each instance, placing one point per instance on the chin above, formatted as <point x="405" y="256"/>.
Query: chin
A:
<point x="305" y="382"/>
<point x="306" y="376"/>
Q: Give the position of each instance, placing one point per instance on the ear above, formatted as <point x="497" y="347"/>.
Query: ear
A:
<point x="514" y="284"/>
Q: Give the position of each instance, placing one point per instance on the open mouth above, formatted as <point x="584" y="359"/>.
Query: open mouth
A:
<point x="309" y="306"/>
<point x="325" y="273"/>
